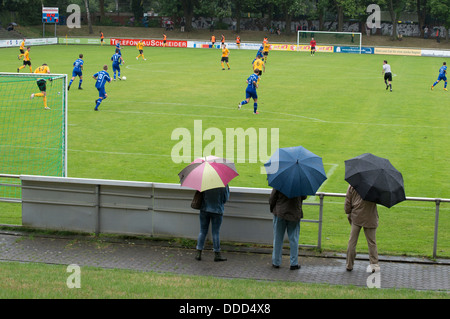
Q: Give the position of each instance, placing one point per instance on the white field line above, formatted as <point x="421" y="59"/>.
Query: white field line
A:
<point x="292" y="117"/>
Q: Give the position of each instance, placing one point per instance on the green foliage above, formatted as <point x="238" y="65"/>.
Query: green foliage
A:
<point x="441" y="10"/>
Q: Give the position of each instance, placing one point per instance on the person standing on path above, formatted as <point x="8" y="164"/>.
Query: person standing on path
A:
<point x="287" y="213"/>
<point x="211" y="211"/>
<point x="361" y="214"/>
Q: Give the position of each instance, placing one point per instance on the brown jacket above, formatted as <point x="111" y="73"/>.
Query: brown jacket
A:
<point x="286" y="208"/>
<point x="360" y="212"/>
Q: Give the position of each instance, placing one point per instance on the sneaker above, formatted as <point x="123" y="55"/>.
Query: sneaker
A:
<point x="275" y="266"/>
<point x="47" y="108"/>
<point x="432" y="87"/>
<point x="32" y="96"/>
<point x="80" y="88"/>
<point x="136" y="58"/>
<point x="68" y="88"/>
<point x="145" y="59"/>
<point x="223" y="69"/>
<point x="256" y="112"/>
<point x="295" y="267"/>
<point x="445" y="89"/>
<point x="239" y="106"/>
<point x="119" y="78"/>
<point x="18" y="70"/>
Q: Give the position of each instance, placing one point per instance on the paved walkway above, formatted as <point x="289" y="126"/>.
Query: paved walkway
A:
<point x="161" y="256"/>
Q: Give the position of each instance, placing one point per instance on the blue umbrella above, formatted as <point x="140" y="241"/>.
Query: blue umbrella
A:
<point x="295" y="171"/>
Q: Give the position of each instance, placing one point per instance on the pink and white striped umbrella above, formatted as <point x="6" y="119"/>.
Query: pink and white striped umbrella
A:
<point x="208" y="172"/>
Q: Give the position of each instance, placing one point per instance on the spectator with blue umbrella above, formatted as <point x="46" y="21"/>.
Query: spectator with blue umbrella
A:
<point x="294" y="173"/>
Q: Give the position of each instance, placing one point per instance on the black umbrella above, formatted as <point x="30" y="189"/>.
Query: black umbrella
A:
<point x="375" y="179"/>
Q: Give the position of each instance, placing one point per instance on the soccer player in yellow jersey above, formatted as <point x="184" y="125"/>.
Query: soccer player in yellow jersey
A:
<point x="26" y="60"/>
<point x="225" y="54"/>
<point x="259" y="64"/>
<point x="266" y="49"/>
<point x="140" y="47"/>
<point x="21" y="49"/>
<point x="42" y="84"/>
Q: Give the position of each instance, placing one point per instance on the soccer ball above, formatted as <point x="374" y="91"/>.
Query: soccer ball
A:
<point x="124" y="78"/>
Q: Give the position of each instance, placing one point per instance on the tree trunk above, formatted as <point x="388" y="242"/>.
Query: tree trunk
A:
<point x="101" y="5"/>
<point x="393" y="14"/>
<point x="321" y="19"/>
<point x="288" y="19"/>
<point x="238" y="16"/>
<point x="340" y="13"/>
<point x="421" y="14"/>
<point x="188" y="9"/>
<point x="88" y="14"/>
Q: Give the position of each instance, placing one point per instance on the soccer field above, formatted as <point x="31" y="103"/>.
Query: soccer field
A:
<point x="335" y="105"/>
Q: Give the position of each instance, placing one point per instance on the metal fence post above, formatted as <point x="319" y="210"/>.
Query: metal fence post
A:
<point x="97" y="207"/>
<point x="319" y="239"/>
<point x="436" y="226"/>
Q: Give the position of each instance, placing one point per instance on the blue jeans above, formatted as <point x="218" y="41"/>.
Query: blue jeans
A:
<point x="280" y="226"/>
<point x="216" y="221"/>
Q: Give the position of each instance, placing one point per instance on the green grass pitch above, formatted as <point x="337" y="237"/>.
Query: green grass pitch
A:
<point x="335" y="105"/>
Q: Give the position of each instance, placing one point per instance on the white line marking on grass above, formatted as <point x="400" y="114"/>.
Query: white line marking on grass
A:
<point x="292" y="117"/>
<point x="120" y="153"/>
<point x="329" y="173"/>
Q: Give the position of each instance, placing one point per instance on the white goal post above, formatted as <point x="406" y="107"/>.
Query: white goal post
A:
<point x="349" y="39"/>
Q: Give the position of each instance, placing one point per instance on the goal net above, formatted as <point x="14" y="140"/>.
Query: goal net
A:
<point x="33" y="139"/>
<point x="325" y="38"/>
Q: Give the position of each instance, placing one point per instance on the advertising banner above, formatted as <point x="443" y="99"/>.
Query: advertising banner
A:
<point x="150" y="43"/>
<point x="364" y="50"/>
<point x="436" y="53"/>
<point x="78" y="41"/>
<point x="302" y="47"/>
<point x="398" y="51"/>
<point x="28" y="42"/>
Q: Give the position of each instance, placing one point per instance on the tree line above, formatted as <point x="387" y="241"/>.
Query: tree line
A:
<point x="429" y="12"/>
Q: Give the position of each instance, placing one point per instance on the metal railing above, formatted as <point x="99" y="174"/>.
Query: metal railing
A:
<point x="160" y="201"/>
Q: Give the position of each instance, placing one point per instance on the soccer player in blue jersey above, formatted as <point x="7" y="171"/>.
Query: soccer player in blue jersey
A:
<point x="77" y="71"/>
<point x="102" y="77"/>
<point x="116" y="62"/>
<point x="118" y="48"/>
<point x="442" y="76"/>
<point x="260" y="53"/>
<point x="250" y="92"/>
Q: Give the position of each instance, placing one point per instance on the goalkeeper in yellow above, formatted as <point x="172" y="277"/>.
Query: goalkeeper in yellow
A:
<point x="225" y="54"/>
<point x="140" y="47"/>
<point x="42" y="84"/>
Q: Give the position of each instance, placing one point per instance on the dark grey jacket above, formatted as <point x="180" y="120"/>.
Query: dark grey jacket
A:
<point x="286" y="208"/>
